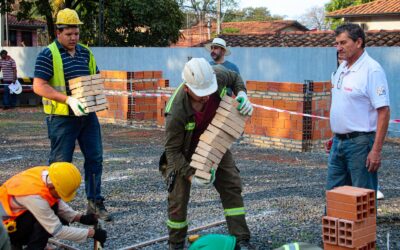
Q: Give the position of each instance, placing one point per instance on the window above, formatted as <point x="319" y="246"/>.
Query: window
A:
<point x="12" y="37"/>
<point x="26" y="38"/>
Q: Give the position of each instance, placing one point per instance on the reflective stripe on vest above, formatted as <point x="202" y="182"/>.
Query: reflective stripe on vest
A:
<point x="190" y="126"/>
<point x="223" y="92"/>
<point x="58" y="80"/>
<point x="292" y="246"/>
<point x="171" y="100"/>
<point x="177" y="224"/>
<point x="234" y="211"/>
<point x="28" y="182"/>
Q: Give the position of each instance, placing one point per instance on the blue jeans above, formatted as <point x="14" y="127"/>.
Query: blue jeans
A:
<point x="63" y="131"/>
<point x="347" y="160"/>
<point x="9" y="100"/>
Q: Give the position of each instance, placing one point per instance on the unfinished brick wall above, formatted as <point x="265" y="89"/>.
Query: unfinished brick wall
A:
<point x="266" y="128"/>
<point x="269" y="128"/>
<point x="125" y="108"/>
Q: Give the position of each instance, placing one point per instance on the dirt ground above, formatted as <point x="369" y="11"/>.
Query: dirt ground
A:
<point x="283" y="191"/>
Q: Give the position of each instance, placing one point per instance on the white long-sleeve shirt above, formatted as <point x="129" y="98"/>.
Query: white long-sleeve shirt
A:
<point x="42" y="211"/>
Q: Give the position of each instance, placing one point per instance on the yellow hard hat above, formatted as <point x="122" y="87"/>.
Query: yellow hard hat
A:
<point x="68" y="17"/>
<point x="66" y="179"/>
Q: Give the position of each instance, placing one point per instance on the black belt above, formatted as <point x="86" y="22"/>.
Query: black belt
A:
<point x="352" y="135"/>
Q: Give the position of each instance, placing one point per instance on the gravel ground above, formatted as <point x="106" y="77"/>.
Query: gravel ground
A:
<point x="283" y="191"/>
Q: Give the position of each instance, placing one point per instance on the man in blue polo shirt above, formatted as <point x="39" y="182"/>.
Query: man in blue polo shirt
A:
<point x="67" y="120"/>
<point x="218" y="51"/>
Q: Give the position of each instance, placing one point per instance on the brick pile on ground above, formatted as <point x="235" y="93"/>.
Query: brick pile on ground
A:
<point x="350" y="223"/>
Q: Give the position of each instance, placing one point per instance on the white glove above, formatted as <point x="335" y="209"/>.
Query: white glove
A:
<point x="245" y="107"/>
<point x="199" y="182"/>
<point x="76" y="106"/>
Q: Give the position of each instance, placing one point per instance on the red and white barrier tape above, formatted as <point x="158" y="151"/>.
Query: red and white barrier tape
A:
<point x="135" y="93"/>
<point x="289" y="112"/>
<point x="128" y="93"/>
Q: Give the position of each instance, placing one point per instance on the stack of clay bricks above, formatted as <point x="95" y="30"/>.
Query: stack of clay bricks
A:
<point x="351" y="219"/>
<point x="89" y="91"/>
<point x="226" y="126"/>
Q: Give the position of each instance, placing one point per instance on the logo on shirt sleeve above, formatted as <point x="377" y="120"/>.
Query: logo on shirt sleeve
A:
<point x="380" y="91"/>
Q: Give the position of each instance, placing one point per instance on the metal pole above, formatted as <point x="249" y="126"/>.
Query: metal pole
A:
<point x="219" y="17"/>
<point x="6" y="21"/>
<point x="101" y="23"/>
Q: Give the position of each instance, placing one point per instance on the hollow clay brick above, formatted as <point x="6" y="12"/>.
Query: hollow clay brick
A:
<point x="370" y="198"/>
<point x="329" y="229"/>
<point x="346" y="215"/>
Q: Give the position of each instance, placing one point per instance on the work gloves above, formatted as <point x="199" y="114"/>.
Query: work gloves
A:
<point x="89" y="219"/>
<point x="245" y="107"/>
<point x="76" y="106"/>
<point x="199" y="182"/>
<point x="100" y="235"/>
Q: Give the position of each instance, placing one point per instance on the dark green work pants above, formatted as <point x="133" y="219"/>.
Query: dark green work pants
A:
<point x="229" y="187"/>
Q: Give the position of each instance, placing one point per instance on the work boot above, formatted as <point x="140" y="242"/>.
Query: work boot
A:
<point x="99" y="209"/>
<point x="244" y="245"/>
<point x="176" y="246"/>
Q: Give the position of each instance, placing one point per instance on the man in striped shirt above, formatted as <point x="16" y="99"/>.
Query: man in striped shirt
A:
<point x="9" y="69"/>
<point x="67" y="120"/>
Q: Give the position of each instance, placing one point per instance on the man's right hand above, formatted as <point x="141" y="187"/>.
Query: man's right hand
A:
<point x="199" y="182"/>
<point x="100" y="235"/>
<point x="76" y="106"/>
<point x="328" y="145"/>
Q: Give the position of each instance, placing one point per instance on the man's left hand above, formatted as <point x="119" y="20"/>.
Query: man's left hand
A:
<point x="373" y="161"/>
<point x="245" y="107"/>
<point x="89" y="219"/>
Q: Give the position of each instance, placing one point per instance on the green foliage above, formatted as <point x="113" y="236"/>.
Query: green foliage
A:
<point x="250" y="14"/>
<point x="231" y="30"/>
<point x="126" y="22"/>
<point x="142" y="23"/>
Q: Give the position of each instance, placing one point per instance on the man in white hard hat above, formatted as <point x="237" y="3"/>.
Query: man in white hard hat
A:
<point x="218" y="50"/>
<point x="188" y="113"/>
<point x="67" y="119"/>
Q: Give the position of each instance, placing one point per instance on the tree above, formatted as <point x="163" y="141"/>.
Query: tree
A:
<point x="314" y="18"/>
<point x="142" y="23"/>
<point x="128" y="22"/>
<point x="202" y="8"/>
<point x="341" y="4"/>
<point x="250" y="14"/>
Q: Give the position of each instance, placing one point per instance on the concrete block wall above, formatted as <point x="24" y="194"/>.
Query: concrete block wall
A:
<point x="351" y="219"/>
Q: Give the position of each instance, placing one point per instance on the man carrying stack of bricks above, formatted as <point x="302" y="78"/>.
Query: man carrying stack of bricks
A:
<point x="188" y="113"/>
<point x="67" y="120"/>
<point x="359" y="113"/>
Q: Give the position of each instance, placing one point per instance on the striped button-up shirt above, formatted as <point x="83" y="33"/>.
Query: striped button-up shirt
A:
<point x="7" y="66"/>
<point x="74" y="66"/>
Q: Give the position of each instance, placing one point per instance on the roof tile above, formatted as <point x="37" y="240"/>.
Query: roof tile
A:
<point x="381" y="38"/>
<point x="377" y="7"/>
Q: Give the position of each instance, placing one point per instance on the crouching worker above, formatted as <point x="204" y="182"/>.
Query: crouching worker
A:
<point x="33" y="207"/>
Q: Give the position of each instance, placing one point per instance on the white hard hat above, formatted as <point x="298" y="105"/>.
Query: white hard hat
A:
<point x="200" y="77"/>
<point x="220" y="43"/>
<point x="15" y="88"/>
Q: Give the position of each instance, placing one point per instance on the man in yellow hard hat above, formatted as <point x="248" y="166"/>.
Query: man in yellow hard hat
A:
<point x="67" y="119"/>
<point x="33" y="207"/>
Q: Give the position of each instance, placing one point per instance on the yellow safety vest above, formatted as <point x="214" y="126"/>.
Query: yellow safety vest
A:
<point x="52" y="107"/>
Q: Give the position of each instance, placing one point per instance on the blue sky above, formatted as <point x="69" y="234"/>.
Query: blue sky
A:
<point x="291" y="8"/>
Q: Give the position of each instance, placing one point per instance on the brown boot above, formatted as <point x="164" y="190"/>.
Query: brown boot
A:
<point x="176" y="246"/>
<point x="97" y="207"/>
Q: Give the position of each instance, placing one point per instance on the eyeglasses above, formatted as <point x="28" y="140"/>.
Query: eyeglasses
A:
<point x="340" y="80"/>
